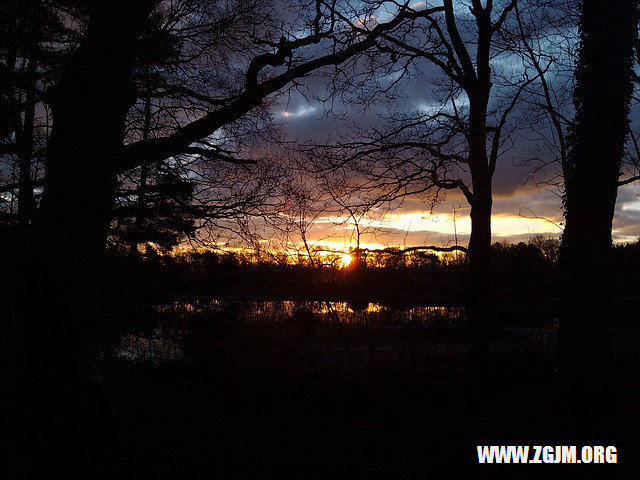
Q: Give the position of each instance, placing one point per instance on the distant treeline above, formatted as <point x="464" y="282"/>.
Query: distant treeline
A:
<point x="522" y="271"/>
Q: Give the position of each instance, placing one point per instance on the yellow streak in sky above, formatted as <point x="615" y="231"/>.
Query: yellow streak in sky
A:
<point x="501" y="225"/>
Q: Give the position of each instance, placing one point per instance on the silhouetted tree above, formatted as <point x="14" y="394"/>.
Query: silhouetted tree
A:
<point x="87" y="150"/>
<point x="163" y="216"/>
<point x="34" y="40"/>
<point x="603" y="77"/>
<point x="69" y="196"/>
<point x="153" y="210"/>
<point x="454" y="144"/>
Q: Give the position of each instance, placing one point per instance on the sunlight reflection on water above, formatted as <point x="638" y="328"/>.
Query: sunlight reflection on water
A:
<point x="159" y="333"/>
<point x="344" y="312"/>
<point x="366" y="326"/>
<point x="173" y="321"/>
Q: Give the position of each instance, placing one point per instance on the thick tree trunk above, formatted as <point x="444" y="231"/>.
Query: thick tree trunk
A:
<point x="480" y="295"/>
<point x="89" y="107"/>
<point x="603" y="92"/>
<point x="480" y="291"/>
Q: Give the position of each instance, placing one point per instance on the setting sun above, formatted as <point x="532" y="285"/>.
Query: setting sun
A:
<point x="345" y="260"/>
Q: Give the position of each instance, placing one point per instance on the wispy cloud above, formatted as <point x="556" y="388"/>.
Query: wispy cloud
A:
<point x="300" y="111"/>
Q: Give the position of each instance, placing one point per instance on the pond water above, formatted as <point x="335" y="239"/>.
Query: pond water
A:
<point x="273" y="311"/>
<point x="257" y="332"/>
<point x="196" y="327"/>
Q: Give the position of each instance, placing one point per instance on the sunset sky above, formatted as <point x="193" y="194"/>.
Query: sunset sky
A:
<point x="516" y="204"/>
<point x="522" y="208"/>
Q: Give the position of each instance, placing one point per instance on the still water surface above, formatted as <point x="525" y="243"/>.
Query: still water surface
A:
<point x="167" y="332"/>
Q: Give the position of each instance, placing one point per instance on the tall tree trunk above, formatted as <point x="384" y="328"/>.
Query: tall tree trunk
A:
<point x="480" y="292"/>
<point x="89" y="107"/>
<point x="602" y="95"/>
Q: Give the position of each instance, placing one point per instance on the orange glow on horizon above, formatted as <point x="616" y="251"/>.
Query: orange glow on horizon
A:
<point x="399" y="230"/>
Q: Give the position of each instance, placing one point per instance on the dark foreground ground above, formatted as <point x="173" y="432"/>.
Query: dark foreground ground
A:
<point x="295" y="400"/>
<point x="326" y="426"/>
